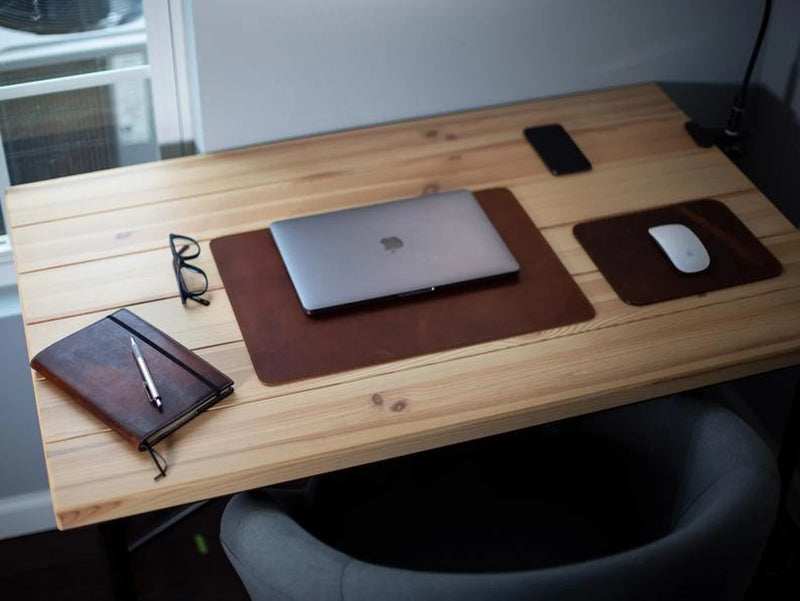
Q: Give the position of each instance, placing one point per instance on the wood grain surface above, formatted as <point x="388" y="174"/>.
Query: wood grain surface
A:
<point x="87" y="245"/>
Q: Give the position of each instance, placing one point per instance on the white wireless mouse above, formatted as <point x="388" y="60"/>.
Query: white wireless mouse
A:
<point x="682" y="246"/>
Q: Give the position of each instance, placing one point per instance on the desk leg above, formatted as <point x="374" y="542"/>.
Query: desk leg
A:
<point x="115" y="542"/>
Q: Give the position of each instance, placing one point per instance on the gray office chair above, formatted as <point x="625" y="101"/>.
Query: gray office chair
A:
<point x="667" y="499"/>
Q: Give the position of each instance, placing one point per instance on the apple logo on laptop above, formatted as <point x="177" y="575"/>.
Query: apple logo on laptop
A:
<point x="392" y="243"/>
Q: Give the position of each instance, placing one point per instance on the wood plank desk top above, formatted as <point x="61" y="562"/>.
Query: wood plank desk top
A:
<point x="89" y="244"/>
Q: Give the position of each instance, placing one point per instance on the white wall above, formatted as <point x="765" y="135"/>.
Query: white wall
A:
<point x="773" y="113"/>
<point x="779" y="68"/>
<point x="268" y="70"/>
<point x="25" y="504"/>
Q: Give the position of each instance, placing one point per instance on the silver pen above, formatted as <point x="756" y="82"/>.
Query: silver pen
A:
<point x="149" y="384"/>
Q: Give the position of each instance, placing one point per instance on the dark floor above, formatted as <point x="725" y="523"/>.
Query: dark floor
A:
<point x="187" y="562"/>
<point x="779" y="576"/>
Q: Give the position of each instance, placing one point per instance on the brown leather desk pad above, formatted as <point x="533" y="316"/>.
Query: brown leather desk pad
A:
<point x="640" y="273"/>
<point x="286" y="344"/>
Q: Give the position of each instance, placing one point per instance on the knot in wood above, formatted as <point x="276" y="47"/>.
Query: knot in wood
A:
<point x="377" y="399"/>
<point x="399" y="405"/>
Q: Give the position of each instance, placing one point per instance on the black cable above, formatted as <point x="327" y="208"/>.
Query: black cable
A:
<point x="728" y="139"/>
<point x="737" y="110"/>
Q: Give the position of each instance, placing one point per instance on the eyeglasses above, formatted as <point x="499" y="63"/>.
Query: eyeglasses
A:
<point x="192" y="281"/>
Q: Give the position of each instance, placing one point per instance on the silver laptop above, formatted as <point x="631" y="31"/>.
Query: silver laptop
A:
<point x="400" y="248"/>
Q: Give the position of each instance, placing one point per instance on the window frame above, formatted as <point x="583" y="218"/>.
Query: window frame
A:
<point x="166" y="69"/>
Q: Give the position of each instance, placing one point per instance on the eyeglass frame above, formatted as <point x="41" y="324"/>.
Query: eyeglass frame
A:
<point x="180" y="261"/>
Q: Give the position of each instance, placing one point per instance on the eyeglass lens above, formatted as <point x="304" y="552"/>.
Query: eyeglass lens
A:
<point x="194" y="280"/>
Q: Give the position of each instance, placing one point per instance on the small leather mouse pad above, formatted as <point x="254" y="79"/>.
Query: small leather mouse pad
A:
<point x="641" y="273"/>
<point x="286" y="344"/>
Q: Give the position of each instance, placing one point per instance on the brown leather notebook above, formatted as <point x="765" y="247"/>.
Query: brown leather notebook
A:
<point x="640" y="273"/>
<point x="286" y="344"/>
<point x="96" y="367"/>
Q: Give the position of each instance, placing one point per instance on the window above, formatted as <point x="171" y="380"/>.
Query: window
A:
<point x="77" y="86"/>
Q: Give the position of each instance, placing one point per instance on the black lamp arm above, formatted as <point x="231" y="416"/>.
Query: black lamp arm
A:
<point x="729" y="138"/>
<point x="736" y="115"/>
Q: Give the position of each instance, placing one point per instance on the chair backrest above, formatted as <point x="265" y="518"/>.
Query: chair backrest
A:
<point x="709" y="496"/>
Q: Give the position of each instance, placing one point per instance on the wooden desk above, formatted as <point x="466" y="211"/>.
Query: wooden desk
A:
<point x="88" y="244"/>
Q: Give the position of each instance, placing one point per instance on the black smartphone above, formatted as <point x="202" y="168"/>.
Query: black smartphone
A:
<point x="557" y="149"/>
